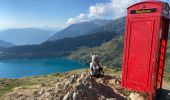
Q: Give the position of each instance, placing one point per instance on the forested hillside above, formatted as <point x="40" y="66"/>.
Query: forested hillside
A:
<point x="110" y="53"/>
<point x="58" y="48"/>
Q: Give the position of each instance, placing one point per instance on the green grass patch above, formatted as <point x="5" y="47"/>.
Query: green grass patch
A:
<point x="110" y="53"/>
<point x="7" y="85"/>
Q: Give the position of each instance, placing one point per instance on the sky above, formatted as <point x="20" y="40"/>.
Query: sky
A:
<point x="58" y="13"/>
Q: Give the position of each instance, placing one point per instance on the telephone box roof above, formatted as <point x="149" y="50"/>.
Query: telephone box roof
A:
<point x="156" y="2"/>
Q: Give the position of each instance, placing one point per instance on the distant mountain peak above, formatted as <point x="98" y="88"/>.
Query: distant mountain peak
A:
<point x="78" y="29"/>
<point x="26" y="36"/>
<point x="5" y="44"/>
<point x="101" y="21"/>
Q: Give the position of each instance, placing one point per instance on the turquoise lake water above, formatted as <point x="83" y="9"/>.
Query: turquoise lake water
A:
<point x="22" y="68"/>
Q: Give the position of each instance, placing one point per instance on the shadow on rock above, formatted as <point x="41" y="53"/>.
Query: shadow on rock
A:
<point x="164" y="95"/>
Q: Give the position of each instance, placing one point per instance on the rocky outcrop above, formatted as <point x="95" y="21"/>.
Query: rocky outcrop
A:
<point x="76" y="87"/>
<point x="135" y="96"/>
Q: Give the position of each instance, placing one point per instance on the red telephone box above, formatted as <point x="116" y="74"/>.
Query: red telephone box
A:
<point x="147" y="25"/>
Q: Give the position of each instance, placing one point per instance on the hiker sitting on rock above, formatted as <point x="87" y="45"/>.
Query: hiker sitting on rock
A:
<point x="96" y="67"/>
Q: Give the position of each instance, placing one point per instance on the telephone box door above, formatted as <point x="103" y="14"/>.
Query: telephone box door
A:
<point x="139" y="62"/>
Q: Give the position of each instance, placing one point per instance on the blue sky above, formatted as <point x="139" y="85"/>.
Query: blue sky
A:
<point x="34" y="13"/>
<point x="57" y="13"/>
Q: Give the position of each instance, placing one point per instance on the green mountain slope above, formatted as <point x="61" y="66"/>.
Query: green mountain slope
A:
<point x="167" y="63"/>
<point x="57" y="48"/>
<point x="63" y="47"/>
<point x="83" y="28"/>
<point x="117" y="26"/>
<point x="110" y="53"/>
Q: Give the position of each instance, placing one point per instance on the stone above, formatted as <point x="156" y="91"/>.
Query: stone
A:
<point x="112" y="82"/>
<point x="71" y="79"/>
<point x="83" y="75"/>
<point x="111" y="99"/>
<point x="76" y="96"/>
<point x="46" y="96"/>
<point x="135" y="96"/>
<point x="41" y="91"/>
<point x="68" y="96"/>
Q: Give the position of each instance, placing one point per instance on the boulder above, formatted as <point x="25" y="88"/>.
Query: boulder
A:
<point x="135" y="96"/>
<point x="68" y="96"/>
<point x="77" y="96"/>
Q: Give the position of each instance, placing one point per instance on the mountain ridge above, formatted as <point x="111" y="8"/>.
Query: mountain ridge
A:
<point x="25" y="36"/>
<point x="78" y="29"/>
<point x="58" y="48"/>
<point x="5" y="44"/>
<point x="116" y="25"/>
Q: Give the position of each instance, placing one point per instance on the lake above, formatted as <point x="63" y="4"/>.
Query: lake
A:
<point x="27" y="67"/>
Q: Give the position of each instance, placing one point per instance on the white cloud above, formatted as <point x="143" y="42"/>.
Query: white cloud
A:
<point x="4" y="24"/>
<point x="120" y="7"/>
<point x="101" y="10"/>
<point x="82" y="16"/>
<point x="72" y="21"/>
<point x="114" y="8"/>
